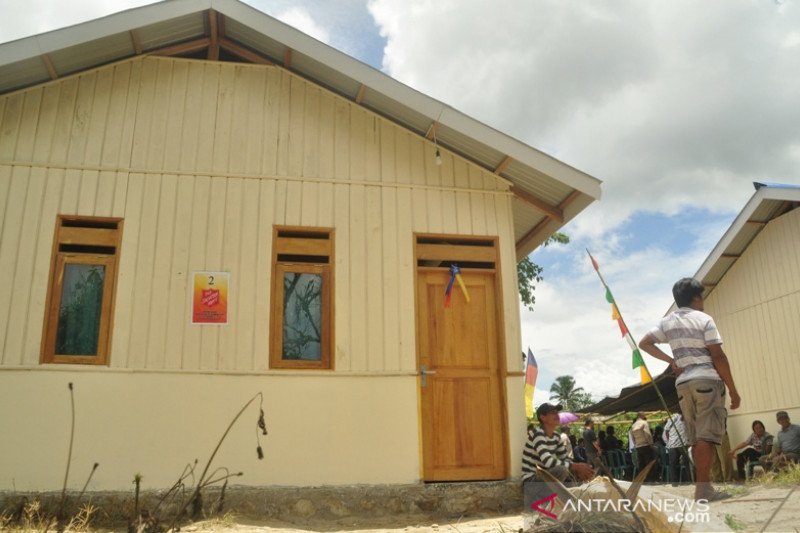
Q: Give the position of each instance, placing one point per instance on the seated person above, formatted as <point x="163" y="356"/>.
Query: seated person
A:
<point x="601" y="440"/>
<point x="579" y="452"/>
<point x="565" y="440"/>
<point x="786" y="446"/>
<point x="612" y="442"/>
<point x="757" y="444"/>
<point x="545" y="450"/>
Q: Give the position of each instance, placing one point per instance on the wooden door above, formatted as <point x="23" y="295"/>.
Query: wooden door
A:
<point x="463" y="429"/>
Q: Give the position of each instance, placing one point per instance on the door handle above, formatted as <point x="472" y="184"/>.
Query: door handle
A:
<point x="423" y="372"/>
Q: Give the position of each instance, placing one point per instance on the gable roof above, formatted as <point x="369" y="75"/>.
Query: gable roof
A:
<point x="548" y="193"/>
<point x="770" y="201"/>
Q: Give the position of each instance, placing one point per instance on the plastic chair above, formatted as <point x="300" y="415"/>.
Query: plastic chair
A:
<point x="749" y="468"/>
<point x="616" y="463"/>
<point x="627" y="467"/>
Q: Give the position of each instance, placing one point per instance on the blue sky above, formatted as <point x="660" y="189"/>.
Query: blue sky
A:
<point x="676" y="106"/>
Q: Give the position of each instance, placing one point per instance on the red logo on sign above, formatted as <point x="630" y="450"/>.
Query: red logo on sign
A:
<point x="210" y="297"/>
<point x="552" y="503"/>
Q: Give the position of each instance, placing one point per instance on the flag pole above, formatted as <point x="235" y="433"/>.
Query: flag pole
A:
<point x="638" y="354"/>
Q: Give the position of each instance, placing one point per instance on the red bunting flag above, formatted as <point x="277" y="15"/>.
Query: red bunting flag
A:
<point x="636" y="356"/>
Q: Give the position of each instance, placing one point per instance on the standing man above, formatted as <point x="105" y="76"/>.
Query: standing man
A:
<point x="545" y="450"/>
<point x="675" y="434"/>
<point x="590" y="442"/>
<point x="703" y="373"/>
<point x="643" y="444"/>
<point x="787" y="443"/>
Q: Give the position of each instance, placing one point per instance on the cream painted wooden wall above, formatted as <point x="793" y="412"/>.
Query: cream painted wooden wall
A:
<point x="201" y="159"/>
<point x="757" y="309"/>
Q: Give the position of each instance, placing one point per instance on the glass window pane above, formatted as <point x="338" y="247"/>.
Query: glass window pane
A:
<point x="302" y="316"/>
<point x="80" y="307"/>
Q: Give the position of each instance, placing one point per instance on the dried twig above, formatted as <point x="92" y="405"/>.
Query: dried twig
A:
<point x="195" y="499"/>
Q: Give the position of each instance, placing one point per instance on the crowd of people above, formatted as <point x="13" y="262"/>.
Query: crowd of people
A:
<point x="574" y="456"/>
<point x="695" y="438"/>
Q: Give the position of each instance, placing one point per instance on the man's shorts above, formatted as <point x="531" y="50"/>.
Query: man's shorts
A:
<point x="702" y="403"/>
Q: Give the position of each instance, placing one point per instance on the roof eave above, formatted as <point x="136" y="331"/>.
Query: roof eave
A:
<point x="761" y="195"/>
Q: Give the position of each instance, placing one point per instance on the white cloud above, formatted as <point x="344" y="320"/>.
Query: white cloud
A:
<point x="22" y="18"/>
<point x="300" y="18"/>
<point x="792" y="40"/>
<point x="672" y="104"/>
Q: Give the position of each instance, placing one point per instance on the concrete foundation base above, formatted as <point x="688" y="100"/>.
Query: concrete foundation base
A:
<point x="357" y="504"/>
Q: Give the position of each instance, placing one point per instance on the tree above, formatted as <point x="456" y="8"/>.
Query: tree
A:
<point x="529" y="273"/>
<point x="572" y="398"/>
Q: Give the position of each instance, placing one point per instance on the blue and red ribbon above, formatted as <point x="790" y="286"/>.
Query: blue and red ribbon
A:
<point x="455" y="275"/>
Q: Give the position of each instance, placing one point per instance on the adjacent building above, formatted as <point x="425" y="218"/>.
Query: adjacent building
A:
<point x="753" y="292"/>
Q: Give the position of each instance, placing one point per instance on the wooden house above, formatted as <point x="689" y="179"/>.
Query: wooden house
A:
<point x="753" y="292"/>
<point x="199" y="203"/>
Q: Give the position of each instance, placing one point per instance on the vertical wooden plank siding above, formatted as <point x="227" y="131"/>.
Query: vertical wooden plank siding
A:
<point x="10" y="238"/>
<point x="27" y="124"/>
<point x="342" y="334"/>
<point x="233" y="235"/>
<point x="262" y="289"/>
<point x="755" y="306"/>
<point x="197" y="261"/>
<point x="145" y="255"/>
<point x="21" y="280"/>
<point x="357" y="283"/>
<point x="406" y="289"/>
<point x="126" y="277"/>
<point x="41" y="265"/>
<point x="180" y="282"/>
<point x="201" y="159"/>
<point x="374" y="288"/>
<point x="245" y="296"/>
<point x="162" y="274"/>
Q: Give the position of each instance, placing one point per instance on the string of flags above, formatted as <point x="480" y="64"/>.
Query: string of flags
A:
<point x="531" y="372"/>
<point x="636" y="360"/>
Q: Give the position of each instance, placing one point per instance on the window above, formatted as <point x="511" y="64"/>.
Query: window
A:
<point x="301" y="324"/>
<point x="80" y="295"/>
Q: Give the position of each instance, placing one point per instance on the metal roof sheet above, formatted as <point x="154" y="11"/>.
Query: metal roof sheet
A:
<point x="112" y="38"/>
<point x="767" y="203"/>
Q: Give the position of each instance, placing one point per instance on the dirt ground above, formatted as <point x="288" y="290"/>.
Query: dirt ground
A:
<point x="751" y="509"/>
<point x="501" y="524"/>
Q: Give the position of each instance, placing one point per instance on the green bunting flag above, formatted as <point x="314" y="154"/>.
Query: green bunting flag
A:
<point x="636" y="360"/>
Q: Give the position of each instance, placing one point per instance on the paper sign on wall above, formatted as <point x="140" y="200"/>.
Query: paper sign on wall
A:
<point x="210" y="297"/>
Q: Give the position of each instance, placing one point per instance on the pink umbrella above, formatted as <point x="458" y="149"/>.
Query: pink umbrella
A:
<point x="565" y="417"/>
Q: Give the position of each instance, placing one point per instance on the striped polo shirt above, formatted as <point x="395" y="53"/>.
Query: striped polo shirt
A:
<point x="544" y="452"/>
<point x="689" y="333"/>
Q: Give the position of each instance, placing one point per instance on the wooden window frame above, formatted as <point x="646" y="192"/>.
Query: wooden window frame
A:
<point x="304" y="241"/>
<point x="82" y="236"/>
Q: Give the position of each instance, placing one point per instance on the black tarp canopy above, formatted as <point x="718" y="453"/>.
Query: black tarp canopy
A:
<point x="639" y="397"/>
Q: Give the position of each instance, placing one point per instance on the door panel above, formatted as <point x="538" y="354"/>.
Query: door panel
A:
<point x="463" y="432"/>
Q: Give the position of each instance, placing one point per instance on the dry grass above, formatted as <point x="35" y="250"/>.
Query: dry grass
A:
<point x="787" y="476"/>
<point x="33" y="518"/>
